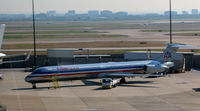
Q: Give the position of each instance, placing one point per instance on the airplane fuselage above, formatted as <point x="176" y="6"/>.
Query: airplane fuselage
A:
<point x="91" y="71"/>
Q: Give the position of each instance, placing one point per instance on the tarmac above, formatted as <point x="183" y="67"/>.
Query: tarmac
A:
<point x="176" y="92"/>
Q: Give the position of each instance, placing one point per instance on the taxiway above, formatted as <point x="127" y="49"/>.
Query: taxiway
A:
<point x="172" y="93"/>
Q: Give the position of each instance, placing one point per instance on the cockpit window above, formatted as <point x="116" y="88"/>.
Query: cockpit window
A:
<point x="37" y="71"/>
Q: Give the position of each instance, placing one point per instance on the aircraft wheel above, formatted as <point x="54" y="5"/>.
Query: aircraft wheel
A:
<point x="34" y="86"/>
<point x="123" y="80"/>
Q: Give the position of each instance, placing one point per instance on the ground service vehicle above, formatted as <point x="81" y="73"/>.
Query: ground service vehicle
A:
<point x="108" y="83"/>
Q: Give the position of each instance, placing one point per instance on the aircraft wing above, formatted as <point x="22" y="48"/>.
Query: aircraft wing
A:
<point x="118" y="75"/>
<point x="2" y="55"/>
<point x="121" y="75"/>
<point x="15" y="61"/>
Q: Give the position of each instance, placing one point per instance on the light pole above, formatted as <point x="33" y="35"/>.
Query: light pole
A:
<point x="170" y="16"/>
<point x="34" y="42"/>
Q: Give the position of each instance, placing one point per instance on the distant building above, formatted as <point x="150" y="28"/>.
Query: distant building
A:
<point x="185" y="13"/>
<point x="13" y="16"/>
<point x="121" y="14"/>
<point x="151" y="14"/>
<point x="106" y="13"/>
<point x="41" y="15"/>
<point x="51" y="13"/>
<point x="195" y="11"/>
<point x="71" y="12"/>
<point x="93" y="13"/>
<point x="172" y="12"/>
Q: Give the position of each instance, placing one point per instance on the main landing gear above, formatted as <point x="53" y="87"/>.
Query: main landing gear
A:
<point x="34" y="86"/>
<point x="122" y="80"/>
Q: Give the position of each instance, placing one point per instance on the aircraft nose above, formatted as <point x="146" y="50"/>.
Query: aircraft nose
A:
<point x="27" y="79"/>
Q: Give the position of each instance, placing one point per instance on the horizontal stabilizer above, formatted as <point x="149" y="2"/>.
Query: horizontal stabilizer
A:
<point x="182" y="45"/>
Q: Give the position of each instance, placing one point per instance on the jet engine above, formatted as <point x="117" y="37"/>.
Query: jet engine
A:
<point x="169" y="64"/>
<point x="150" y="68"/>
<point x="158" y="68"/>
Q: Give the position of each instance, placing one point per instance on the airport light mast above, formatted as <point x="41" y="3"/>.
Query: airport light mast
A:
<point x="170" y="16"/>
<point x="34" y="41"/>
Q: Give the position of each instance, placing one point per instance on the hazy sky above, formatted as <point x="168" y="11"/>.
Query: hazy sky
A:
<point x="81" y="6"/>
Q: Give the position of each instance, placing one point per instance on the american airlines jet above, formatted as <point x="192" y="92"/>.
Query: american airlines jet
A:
<point x="111" y="70"/>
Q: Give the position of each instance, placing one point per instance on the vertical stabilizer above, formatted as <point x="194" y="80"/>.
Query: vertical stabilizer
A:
<point x="2" y="29"/>
<point x="170" y="52"/>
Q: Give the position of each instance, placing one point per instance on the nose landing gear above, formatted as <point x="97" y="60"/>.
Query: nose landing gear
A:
<point x="34" y="86"/>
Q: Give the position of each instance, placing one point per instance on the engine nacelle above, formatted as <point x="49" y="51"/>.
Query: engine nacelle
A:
<point x="169" y="64"/>
<point x="157" y="68"/>
<point x="150" y="68"/>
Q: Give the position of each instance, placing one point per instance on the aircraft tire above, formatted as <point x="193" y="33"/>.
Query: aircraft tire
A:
<point x="34" y="86"/>
<point x="123" y="80"/>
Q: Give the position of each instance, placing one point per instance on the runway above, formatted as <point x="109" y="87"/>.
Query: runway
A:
<point x="172" y="93"/>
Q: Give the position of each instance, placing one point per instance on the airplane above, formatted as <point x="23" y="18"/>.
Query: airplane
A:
<point x="113" y="70"/>
<point x="2" y="29"/>
<point x="2" y="55"/>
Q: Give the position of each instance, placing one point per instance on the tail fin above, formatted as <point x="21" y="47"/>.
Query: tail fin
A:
<point x="170" y="52"/>
<point x="2" y="29"/>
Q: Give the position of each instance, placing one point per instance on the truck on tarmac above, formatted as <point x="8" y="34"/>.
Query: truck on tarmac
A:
<point x="0" y="79"/>
<point x="108" y="83"/>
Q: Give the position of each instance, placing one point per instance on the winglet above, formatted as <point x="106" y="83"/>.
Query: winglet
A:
<point x="2" y="29"/>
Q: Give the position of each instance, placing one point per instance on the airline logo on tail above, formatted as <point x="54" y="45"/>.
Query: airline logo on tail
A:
<point x="167" y="55"/>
